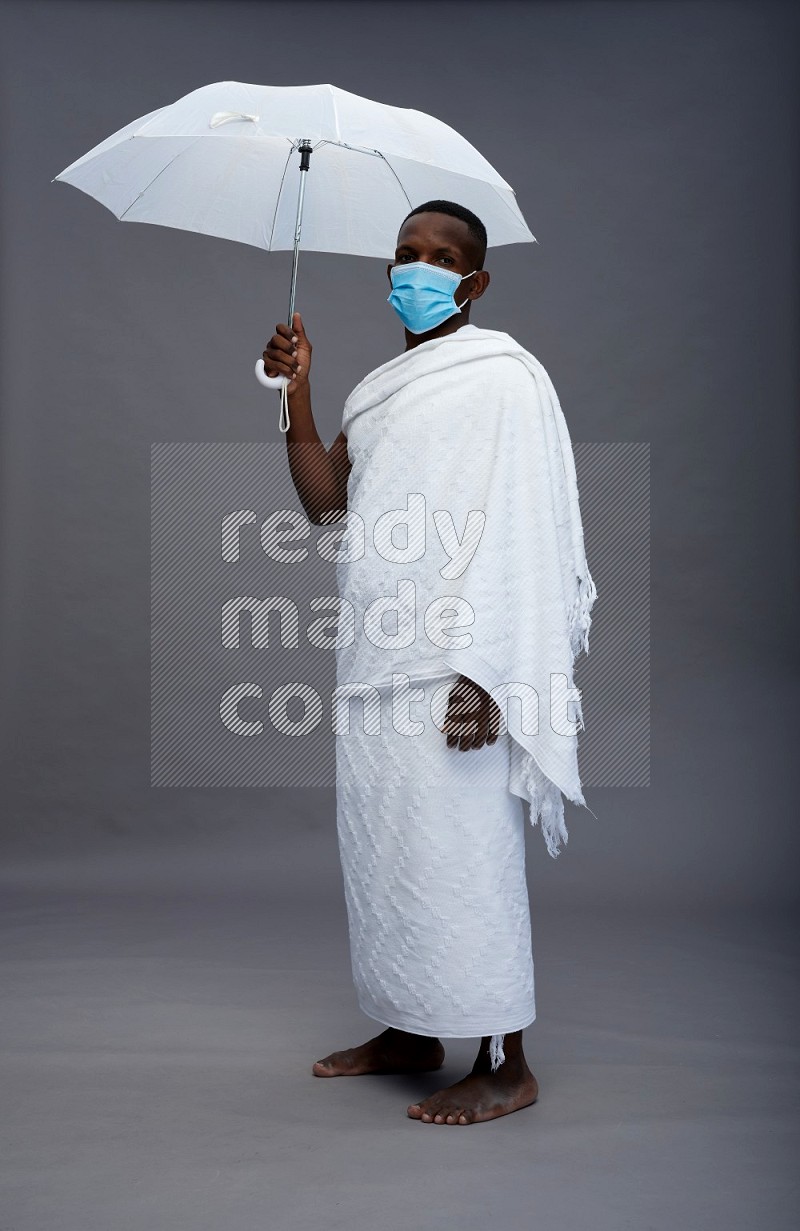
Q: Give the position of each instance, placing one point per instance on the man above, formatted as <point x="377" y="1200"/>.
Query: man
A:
<point x="465" y="429"/>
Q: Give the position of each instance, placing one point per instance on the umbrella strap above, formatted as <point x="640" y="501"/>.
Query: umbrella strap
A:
<point x="283" y="422"/>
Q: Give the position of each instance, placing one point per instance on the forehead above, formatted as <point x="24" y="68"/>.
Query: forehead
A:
<point x="435" y="230"/>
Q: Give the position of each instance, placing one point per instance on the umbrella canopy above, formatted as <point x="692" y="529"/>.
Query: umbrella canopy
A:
<point x="221" y="161"/>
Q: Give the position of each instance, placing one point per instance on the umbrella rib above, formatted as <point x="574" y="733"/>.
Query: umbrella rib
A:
<point x="278" y="198"/>
<point x="396" y="176"/>
<point x="155" y="177"/>
<point x="373" y="154"/>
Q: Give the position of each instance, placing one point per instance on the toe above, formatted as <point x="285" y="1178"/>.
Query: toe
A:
<point x="415" y="1111"/>
<point x="431" y="1109"/>
<point x="464" y="1117"/>
<point x="333" y="1065"/>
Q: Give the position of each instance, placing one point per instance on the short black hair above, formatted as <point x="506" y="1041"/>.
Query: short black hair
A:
<point x="476" y="228"/>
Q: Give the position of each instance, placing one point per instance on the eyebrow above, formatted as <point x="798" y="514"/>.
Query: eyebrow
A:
<point x="445" y="248"/>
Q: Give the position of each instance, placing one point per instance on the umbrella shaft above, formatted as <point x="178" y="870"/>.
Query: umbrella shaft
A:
<point x="305" y="155"/>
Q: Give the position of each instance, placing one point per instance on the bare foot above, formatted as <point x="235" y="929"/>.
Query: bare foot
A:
<point x="483" y="1095"/>
<point x="393" y="1051"/>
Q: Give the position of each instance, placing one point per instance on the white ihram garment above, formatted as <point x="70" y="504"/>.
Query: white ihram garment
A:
<point x="433" y="856"/>
<point x="462" y="490"/>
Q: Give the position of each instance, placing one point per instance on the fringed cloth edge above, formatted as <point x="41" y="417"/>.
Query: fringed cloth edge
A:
<point x="496" y="1053"/>
<point x="546" y="799"/>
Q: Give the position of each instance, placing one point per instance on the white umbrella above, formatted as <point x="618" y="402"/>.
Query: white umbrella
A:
<point x="231" y="160"/>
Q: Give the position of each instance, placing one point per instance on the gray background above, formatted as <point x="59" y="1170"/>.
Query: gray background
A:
<point x="175" y="959"/>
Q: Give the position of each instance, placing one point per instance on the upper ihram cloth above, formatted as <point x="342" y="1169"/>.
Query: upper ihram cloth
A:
<point x="463" y="483"/>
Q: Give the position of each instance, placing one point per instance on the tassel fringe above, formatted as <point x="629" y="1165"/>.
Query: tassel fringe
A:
<point x="496" y="1053"/>
<point x="546" y="806"/>
<point x="580" y="617"/>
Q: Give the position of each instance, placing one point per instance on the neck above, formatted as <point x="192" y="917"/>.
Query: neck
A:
<point x="441" y="331"/>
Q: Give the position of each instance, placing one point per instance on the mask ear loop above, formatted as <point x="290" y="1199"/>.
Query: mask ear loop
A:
<point x="460" y="306"/>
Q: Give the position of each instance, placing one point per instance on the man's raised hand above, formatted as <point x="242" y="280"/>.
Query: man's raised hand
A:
<point x="288" y="353"/>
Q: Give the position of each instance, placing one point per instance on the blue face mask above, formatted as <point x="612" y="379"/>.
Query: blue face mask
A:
<point x="423" y="295"/>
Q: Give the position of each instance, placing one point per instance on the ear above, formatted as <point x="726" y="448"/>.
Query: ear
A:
<point x="482" y="280"/>
<point x="389" y="272"/>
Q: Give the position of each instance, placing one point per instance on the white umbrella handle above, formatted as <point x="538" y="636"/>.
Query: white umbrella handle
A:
<point x="271" y="382"/>
<point x="276" y="382"/>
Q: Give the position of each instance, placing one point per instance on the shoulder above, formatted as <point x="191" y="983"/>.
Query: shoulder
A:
<point x="510" y="367"/>
<point x="496" y="344"/>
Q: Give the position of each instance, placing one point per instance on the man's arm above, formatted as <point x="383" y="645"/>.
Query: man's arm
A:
<point x="320" y="475"/>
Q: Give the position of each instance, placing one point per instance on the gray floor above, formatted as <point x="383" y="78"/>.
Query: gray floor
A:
<point x="163" y="1007"/>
